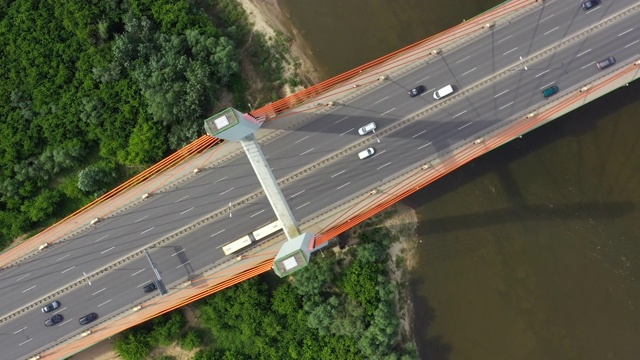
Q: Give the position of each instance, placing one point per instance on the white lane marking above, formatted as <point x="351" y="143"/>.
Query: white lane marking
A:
<point x="589" y="64"/>
<point x="514" y="49"/>
<point x="582" y="53"/>
<point x="307" y="151"/>
<point x="24" y="342"/>
<point x="550" y="16"/>
<point x="340" y="119"/>
<point x="418" y="134"/>
<point x="421" y="80"/>
<point x="64" y="271"/>
<point x="546" y="86"/>
<point x="102" y="238"/>
<point x="60" y="310"/>
<point x="458" y="114"/>
<point x="502" y="93"/>
<point x="459" y="61"/>
<point x="138" y="272"/>
<point x="186" y="211"/>
<point x="346" y="132"/>
<point x="298" y="193"/>
<point x="425" y="145"/>
<point x="99" y="291"/>
<point x="631" y="44"/>
<point x="226" y="191"/>
<point x="384" y="165"/>
<point x="63" y="257"/>
<point x="178" y="252"/>
<point x="595" y="8"/>
<point x="499" y="41"/>
<point x="383" y="99"/>
<point x="106" y="302"/>
<point x="303" y="205"/>
<point x="214" y="182"/>
<point x="336" y="174"/>
<point x="302" y="139"/>
<point x="24" y="291"/>
<point x="142" y="218"/>
<point x="258" y="213"/>
<point x="219" y="232"/>
<point x="463" y="74"/>
<point x="149" y="229"/>
<point x="145" y="283"/>
<point x="186" y="196"/>
<point x="509" y="104"/>
<point x="379" y="153"/>
<point x="464" y="126"/>
<point x="109" y="249"/>
<point x="542" y="73"/>
<point x="183" y="264"/>
<point x="554" y="29"/>
<point x="22" y="277"/>
<point x="386" y="112"/>
<point x="624" y="32"/>
<point x="19" y="330"/>
<point x="341" y="186"/>
<point x="62" y="323"/>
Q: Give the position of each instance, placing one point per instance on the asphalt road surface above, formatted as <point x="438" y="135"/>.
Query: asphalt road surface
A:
<point x="461" y="121"/>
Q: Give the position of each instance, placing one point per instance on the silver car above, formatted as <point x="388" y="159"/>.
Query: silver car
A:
<point x="50" y="307"/>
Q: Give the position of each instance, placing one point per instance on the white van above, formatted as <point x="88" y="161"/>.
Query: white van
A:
<point x="367" y="128"/>
<point x="447" y="90"/>
<point x="366" y="153"/>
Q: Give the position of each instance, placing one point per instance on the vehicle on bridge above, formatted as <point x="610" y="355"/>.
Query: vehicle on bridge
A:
<point x="606" y="63"/>
<point x="445" y="91"/>
<point x="550" y="91"/>
<point x="590" y="4"/>
<point x="248" y="239"/>
<point x="367" y="128"/>
<point x="417" y="90"/>
<point x="366" y="153"/>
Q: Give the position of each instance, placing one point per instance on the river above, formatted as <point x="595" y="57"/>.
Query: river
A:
<point x="531" y="251"/>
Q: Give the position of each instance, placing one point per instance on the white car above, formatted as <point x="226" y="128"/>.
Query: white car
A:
<point x="445" y="91"/>
<point x="366" y="153"/>
<point x="367" y="128"/>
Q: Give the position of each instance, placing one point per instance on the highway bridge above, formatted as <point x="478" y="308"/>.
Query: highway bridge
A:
<point x="498" y="64"/>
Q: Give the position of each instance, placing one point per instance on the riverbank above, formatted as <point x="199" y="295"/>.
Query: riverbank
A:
<point x="267" y="18"/>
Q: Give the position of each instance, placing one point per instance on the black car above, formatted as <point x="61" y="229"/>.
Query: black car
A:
<point x="150" y="287"/>
<point x="54" y="320"/>
<point x="417" y="90"/>
<point x="590" y="4"/>
<point x="88" y="318"/>
<point x="606" y="63"/>
<point x="50" y="307"/>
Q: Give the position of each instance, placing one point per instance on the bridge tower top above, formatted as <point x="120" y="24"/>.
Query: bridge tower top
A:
<point x="232" y="125"/>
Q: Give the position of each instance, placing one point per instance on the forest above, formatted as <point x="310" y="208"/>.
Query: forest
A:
<point x="344" y="305"/>
<point x="93" y="92"/>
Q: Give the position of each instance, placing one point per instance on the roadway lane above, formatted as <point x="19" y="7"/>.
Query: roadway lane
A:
<point x="338" y="180"/>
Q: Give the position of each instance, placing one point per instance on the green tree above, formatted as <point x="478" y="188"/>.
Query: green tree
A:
<point x="147" y="144"/>
<point x="191" y="340"/>
<point x="42" y="206"/>
<point x="132" y="345"/>
<point x="97" y="178"/>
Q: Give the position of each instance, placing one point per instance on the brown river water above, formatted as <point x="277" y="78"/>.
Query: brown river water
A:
<point x="531" y="251"/>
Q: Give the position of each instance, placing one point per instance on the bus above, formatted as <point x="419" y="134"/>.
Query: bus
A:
<point x="256" y="235"/>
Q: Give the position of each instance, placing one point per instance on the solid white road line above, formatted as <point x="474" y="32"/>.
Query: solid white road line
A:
<point x="505" y="106"/>
<point x="149" y="229"/>
<point x="514" y="49"/>
<point x="464" y="126"/>
<point x="298" y="193"/>
<point x="219" y="232"/>
<point x="109" y="249"/>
